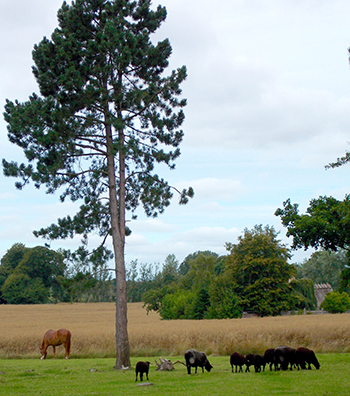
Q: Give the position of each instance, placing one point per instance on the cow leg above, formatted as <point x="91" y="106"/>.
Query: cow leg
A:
<point x="141" y="376"/>
<point x="54" y="351"/>
<point x="147" y="376"/>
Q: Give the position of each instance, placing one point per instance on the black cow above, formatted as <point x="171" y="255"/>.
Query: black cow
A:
<point x="258" y="362"/>
<point x="284" y="356"/>
<point x="249" y="361"/>
<point x="237" y="360"/>
<point x="306" y="355"/>
<point x="197" y="359"/>
<point x="269" y="357"/>
<point x="142" y="368"/>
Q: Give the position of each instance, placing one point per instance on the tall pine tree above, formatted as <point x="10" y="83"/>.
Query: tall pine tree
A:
<point x="105" y="116"/>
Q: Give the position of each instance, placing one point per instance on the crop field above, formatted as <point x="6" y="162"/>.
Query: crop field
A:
<point x="93" y="332"/>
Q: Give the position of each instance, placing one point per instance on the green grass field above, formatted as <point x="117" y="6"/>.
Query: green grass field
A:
<point x="97" y="377"/>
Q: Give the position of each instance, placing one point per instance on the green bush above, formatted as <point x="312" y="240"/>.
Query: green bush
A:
<point x="178" y="305"/>
<point x="336" y="302"/>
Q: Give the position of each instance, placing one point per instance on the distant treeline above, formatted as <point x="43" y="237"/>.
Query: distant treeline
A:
<point x="253" y="277"/>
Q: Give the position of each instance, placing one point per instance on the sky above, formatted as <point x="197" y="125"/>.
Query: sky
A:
<point x="268" y="92"/>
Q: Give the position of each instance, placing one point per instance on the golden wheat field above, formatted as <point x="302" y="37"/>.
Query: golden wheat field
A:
<point x="93" y="331"/>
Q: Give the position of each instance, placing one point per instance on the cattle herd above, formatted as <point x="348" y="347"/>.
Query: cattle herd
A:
<point x="279" y="358"/>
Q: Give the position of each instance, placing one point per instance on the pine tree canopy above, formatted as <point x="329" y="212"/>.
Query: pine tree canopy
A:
<point x="106" y="115"/>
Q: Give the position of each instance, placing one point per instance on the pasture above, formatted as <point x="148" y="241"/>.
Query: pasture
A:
<point x="90" y="369"/>
<point x="87" y="377"/>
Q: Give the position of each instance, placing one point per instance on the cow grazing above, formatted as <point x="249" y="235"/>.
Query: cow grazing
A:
<point x="306" y="355"/>
<point x="142" y="368"/>
<point x="284" y="356"/>
<point x="197" y="359"/>
<point x="249" y="361"/>
<point x="259" y="362"/>
<point x="237" y="360"/>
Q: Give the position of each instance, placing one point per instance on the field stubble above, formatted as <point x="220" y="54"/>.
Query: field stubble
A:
<point x="93" y="332"/>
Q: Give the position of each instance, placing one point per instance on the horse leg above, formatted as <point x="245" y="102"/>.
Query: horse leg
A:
<point x="54" y="351"/>
<point x="66" y="355"/>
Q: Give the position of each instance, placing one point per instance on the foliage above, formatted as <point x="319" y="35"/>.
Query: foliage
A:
<point x="325" y="225"/>
<point x="258" y="266"/>
<point x="224" y="302"/>
<point x="324" y="267"/>
<point x="177" y="305"/>
<point x="170" y="271"/>
<point x="336" y="302"/>
<point x="186" y="295"/>
<point x="19" y="288"/>
<point x="31" y="275"/>
<point x="106" y="116"/>
<point x="304" y="291"/>
<point x="185" y="265"/>
<point x="139" y="279"/>
<point x="9" y="262"/>
<point x="201" y="272"/>
<point x="153" y="298"/>
<point x="345" y="280"/>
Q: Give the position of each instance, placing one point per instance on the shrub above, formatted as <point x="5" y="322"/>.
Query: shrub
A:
<point x="336" y="302"/>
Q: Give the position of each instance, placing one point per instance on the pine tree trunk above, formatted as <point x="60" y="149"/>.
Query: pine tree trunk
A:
<point x="117" y="213"/>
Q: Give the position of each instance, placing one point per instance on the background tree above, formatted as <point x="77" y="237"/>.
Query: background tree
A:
<point x="304" y="293"/>
<point x="170" y="271"/>
<point x="324" y="267"/>
<point x="325" y="225"/>
<point x="185" y="265"/>
<point x="139" y="279"/>
<point x="224" y="302"/>
<point x="104" y="119"/>
<point x="32" y="275"/>
<point x="258" y="266"/>
<point x="345" y="280"/>
<point x="9" y="262"/>
<point x="19" y="288"/>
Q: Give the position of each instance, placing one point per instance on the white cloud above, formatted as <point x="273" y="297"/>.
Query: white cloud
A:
<point x="181" y="244"/>
<point x="151" y="225"/>
<point x="215" y="189"/>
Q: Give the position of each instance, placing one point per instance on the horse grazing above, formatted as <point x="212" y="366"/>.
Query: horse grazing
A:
<point x="56" y="338"/>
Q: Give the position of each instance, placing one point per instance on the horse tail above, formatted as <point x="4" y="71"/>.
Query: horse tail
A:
<point x="42" y="344"/>
<point x="69" y="336"/>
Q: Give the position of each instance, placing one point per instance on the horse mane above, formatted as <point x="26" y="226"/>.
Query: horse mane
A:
<point x="44" y="341"/>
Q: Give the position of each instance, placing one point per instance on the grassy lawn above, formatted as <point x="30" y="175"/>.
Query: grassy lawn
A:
<point x="97" y="377"/>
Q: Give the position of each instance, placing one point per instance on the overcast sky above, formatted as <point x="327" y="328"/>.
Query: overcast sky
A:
<point x="268" y="92"/>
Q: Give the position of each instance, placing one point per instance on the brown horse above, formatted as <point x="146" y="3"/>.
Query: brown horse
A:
<point x="56" y="338"/>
